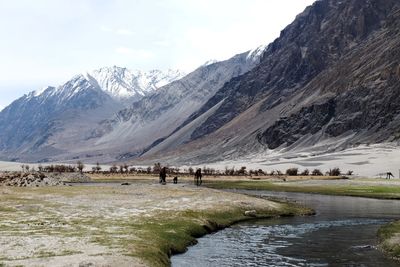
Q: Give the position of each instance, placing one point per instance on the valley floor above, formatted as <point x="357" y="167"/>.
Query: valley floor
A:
<point x="140" y="224"/>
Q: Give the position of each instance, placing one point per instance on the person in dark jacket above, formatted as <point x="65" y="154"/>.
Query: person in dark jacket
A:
<point x="163" y="175"/>
<point x="197" y="177"/>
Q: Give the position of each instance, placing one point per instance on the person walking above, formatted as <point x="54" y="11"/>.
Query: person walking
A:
<point x="197" y="177"/>
<point x="163" y="175"/>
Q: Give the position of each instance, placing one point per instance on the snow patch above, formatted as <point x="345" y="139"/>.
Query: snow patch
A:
<point x="255" y="54"/>
<point x="123" y="83"/>
<point x="209" y="62"/>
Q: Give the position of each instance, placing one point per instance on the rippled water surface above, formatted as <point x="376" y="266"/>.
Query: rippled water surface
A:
<point x="343" y="233"/>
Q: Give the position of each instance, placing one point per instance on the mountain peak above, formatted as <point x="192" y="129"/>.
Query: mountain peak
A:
<point x="255" y="54"/>
<point x="118" y="82"/>
<point x="123" y="83"/>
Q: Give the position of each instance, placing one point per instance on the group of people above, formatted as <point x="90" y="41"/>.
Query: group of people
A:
<point x="197" y="177"/>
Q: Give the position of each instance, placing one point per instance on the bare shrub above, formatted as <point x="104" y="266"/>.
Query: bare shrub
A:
<point x="306" y="172"/>
<point x="292" y="171"/>
<point x="316" y="172"/>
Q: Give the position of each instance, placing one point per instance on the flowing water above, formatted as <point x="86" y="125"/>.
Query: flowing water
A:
<point x="342" y="233"/>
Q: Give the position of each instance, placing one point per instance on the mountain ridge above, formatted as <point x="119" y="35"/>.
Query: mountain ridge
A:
<point x="249" y="112"/>
<point x="32" y="123"/>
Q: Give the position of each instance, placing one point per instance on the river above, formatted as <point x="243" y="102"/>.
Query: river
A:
<point x="342" y="233"/>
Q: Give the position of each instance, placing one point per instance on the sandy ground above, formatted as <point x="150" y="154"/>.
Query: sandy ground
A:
<point x="365" y="161"/>
<point x="87" y="225"/>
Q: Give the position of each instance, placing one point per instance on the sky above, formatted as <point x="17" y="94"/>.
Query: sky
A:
<point x="46" y="42"/>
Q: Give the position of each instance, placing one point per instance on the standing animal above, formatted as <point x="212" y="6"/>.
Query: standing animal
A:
<point x="175" y="180"/>
<point x="388" y="174"/>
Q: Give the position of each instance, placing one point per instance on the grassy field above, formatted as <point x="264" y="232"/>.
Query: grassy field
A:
<point x="137" y="225"/>
<point x="359" y="188"/>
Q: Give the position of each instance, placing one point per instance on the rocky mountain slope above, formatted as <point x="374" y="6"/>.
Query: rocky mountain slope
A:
<point x="331" y="80"/>
<point x="47" y="122"/>
<point x="112" y="113"/>
<point x="154" y="117"/>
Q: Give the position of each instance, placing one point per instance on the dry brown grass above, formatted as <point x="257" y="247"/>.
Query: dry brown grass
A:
<point x="188" y="178"/>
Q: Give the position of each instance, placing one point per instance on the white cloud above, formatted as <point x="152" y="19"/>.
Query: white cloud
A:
<point x="124" y="32"/>
<point x="105" y="29"/>
<point x="116" y="31"/>
<point x="134" y="53"/>
<point x="163" y="43"/>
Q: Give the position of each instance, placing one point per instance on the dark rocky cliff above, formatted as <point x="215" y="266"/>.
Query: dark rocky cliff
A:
<point x="316" y="40"/>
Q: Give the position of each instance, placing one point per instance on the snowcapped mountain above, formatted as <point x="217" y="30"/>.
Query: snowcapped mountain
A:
<point x="110" y="113"/>
<point x="49" y="121"/>
<point x="123" y="83"/>
<point x="119" y="83"/>
<point x="154" y="117"/>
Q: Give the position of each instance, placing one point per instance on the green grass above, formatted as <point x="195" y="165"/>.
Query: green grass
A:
<point x="385" y="234"/>
<point x="381" y="192"/>
<point x="159" y="239"/>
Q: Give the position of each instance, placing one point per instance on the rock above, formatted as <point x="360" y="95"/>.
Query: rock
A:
<point x="86" y="264"/>
<point x="125" y="184"/>
<point x="250" y="213"/>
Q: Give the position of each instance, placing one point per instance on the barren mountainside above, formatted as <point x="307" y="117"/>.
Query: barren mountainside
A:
<point x="333" y="74"/>
<point x="154" y="117"/>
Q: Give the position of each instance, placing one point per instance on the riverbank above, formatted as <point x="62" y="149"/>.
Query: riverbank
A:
<point x="371" y="188"/>
<point x="389" y="235"/>
<point x="136" y="225"/>
<point x="389" y="239"/>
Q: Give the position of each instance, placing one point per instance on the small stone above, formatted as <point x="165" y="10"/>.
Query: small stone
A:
<point x="250" y="213"/>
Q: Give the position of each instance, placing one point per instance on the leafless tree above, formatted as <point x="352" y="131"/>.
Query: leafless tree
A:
<point x="80" y="166"/>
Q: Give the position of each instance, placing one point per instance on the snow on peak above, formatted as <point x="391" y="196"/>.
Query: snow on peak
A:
<point x="119" y="83"/>
<point x="41" y="91"/>
<point x="256" y="54"/>
<point x="209" y="62"/>
<point x="124" y="83"/>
